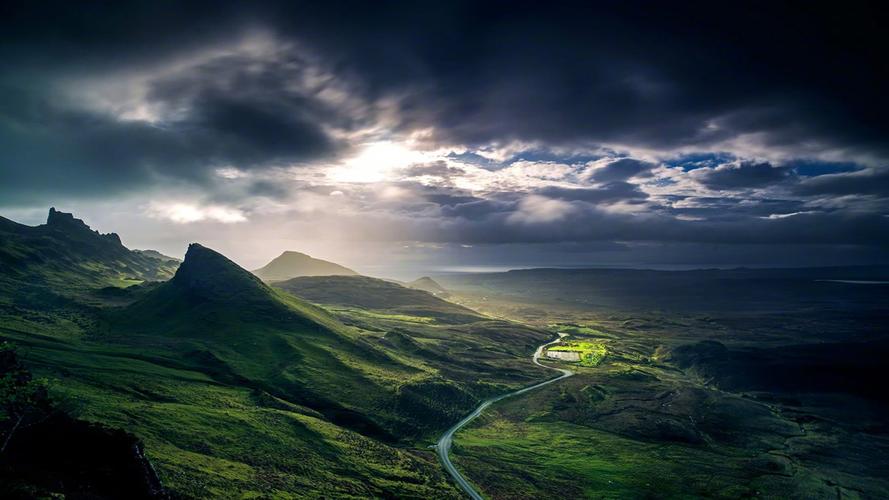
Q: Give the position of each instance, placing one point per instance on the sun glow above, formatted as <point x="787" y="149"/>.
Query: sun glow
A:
<point x="185" y="213"/>
<point x="375" y="162"/>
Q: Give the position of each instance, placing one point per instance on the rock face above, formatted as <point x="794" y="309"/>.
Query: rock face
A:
<point x="209" y="274"/>
<point x="64" y="221"/>
<point x="66" y="252"/>
<point x="294" y="265"/>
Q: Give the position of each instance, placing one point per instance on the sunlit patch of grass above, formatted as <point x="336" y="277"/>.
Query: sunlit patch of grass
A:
<point x="384" y="316"/>
<point x="591" y="353"/>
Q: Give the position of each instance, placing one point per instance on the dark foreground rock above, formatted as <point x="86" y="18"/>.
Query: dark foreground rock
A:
<point x="77" y="459"/>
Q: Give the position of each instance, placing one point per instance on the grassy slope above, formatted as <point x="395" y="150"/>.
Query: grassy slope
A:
<point x="209" y="438"/>
<point x="377" y="295"/>
<point x="218" y="317"/>
<point x="614" y="435"/>
<point x="65" y="257"/>
<point x="242" y="390"/>
<point x="644" y="423"/>
<point x="189" y="382"/>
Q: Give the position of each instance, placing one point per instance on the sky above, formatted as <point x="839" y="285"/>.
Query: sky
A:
<point x="406" y="137"/>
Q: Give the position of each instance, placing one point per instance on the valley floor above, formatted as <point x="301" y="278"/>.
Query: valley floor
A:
<point x="641" y="423"/>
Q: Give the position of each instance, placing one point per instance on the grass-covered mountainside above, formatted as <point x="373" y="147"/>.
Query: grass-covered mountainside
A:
<point x="729" y="384"/>
<point x="294" y="264"/>
<point x="239" y="389"/>
<point x="429" y="285"/>
<point x="714" y="383"/>
<point x="376" y="295"/>
<point x="65" y="254"/>
<point x="220" y="317"/>
<point x="46" y="453"/>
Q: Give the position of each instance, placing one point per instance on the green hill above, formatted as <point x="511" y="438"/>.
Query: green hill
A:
<point x="294" y="264"/>
<point x="376" y="295"/>
<point x="211" y="296"/>
<point x="224" y="319"/>
<point x="220" y="319"/>
<point x="428" y="284"/>
<point x="65" y="254"/>
<point x="241" y="389"/>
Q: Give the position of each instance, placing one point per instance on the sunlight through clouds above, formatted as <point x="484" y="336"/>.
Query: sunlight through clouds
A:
<point x="184" y="213"/>
<point x="375" y="162"/>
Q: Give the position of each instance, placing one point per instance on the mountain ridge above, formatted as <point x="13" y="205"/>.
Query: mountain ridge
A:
<point x="68" y="254"/>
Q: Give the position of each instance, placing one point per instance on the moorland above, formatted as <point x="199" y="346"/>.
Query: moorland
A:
<point x="721" y="383"/>
<point x="127" y="372"/>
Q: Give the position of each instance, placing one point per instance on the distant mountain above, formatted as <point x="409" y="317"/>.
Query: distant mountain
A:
<point x="378" y="295"/>
<point x="428" y="284"/>
<point x="67" y="254"/>
<point x="294" y="264"/>
<point x="154" y="254"/>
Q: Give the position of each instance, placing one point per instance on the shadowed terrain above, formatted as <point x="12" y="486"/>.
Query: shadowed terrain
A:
<point x="727" y="383"/>
<point x="234" y="386"/>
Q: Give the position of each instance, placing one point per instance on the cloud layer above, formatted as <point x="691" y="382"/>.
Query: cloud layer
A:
<point x="460" y="123"/>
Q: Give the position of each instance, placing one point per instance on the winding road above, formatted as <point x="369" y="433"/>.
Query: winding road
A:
<point x="443" y="447"/>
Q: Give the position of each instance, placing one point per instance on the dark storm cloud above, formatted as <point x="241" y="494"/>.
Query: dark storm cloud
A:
<point x="214" y="103"/>
<point x="449" y="199"/>
<point x="608" y="193"/>
<point x="658" y="75"/>
<point x="621" y="170"/>
<point x="565" y="78"/>
<point x="868" y="181"/>
<point x="477" y="210"/>
<point x="590" y="224"/>
<point x="73" y="152"/>
<point x="269" y="189"/>
<point x="741" y="175"/>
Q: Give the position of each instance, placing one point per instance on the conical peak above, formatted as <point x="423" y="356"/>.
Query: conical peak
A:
<point x="208" y="271"/>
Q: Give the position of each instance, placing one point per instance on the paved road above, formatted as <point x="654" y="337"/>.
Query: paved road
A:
<point x="443" y="447"/>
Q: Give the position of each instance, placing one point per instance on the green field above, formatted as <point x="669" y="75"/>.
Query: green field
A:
<point x="664" y="415"/>
<point x="238" y="389"/>
<point x="591" y="353"/>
